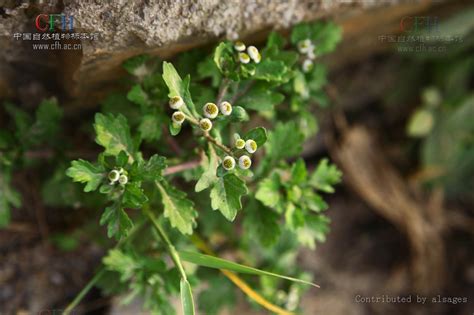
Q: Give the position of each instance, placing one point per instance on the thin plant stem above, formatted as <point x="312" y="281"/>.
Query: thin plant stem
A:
<point x="169" y="246"/>
<point x="100" y="273"/>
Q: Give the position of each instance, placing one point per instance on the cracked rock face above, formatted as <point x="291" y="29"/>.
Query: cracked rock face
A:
<point x="128" y="28"/>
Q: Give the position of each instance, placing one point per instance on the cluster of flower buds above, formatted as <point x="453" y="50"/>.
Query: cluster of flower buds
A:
<point x="211" y="111"/>
<point x="251" y="54"/>
<point x="117" y="176"/>
<point x="178" y="117"/>
<point x="306" y="48"/>
<point x="245" y="162"/>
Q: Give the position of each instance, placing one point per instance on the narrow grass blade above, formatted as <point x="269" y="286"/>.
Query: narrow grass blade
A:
<point x="186" y="297"/>
<point x="219" y="263"/>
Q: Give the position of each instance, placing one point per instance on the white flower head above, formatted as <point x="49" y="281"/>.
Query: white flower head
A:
<point x="123" y="179"/>
<point x="210" y="110"/>
<point x="254" y="54"/>
<point x="244" y="58"/>
<point x="311" y="54"/>
<point x="226" y="108"/>
<point x="250" y="146"/>
<point x="113" y="176"/>
<point x="176" y="102"/>
<point x="178" y="117"/>
<point x="307" y="65"/>
<point x="205" y="124"/>
<point x="240" y="143"/>
<point x="228" y="163"/>
<point x="239" y="46"/>
<point x="245" y="162"/>
<point x="304" y="46"/>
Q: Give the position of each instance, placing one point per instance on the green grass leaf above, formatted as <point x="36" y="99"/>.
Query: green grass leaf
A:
<point x="177" y="208"/>
<point x="219" y="263"/>
<point x="186" y="297"/>
<point x="113" y="133"/>
<point x="226" y="195"/>
<point x="85" y="172"/>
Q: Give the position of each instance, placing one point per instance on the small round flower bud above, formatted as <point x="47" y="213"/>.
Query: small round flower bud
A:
<point x="226" y="108"/>
<point x="240" y="143"/>
<point x="244" y="58"/>
<point x="228" y="163"/>
<point x="304" y="46"/>
<point x="239" y="46"/>
<point x="250" y="146"/>
<point x="254" y="54"/>
<point x="210" y="110"/>
<point x="245" y="162"/>
<point x="311" y="55"/>
<point x="176" y="102"/>
<point x="113" y="176"/>
<point x="121" y="170"/>
<point x="178" y="117"/>
<point x="205" y="124"/>
<point x="123" y="179"/>
<point x="307" y="65"/>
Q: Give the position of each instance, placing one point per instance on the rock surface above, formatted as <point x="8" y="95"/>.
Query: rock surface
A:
<point x="128" y="28"/>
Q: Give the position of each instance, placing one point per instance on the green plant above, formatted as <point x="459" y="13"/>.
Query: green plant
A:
<point x="174" y="150"/>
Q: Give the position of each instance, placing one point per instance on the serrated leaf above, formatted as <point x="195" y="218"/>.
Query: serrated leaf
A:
<point x="285" y="141"/>
<point x="177" y="208"/>
<point x="208" y="69"/>
<point x="186" y="297"/>
<point x="315" y="229"/>
<point x="133" y="196"/>
<point x="260" y="98"/>
<point x="325" y="176"/>
<point x="113" y="133"/>
<point x="154" y="167"/>
<point x="268" y="191"/>
<point x="47" y="124"/>
<point x="8" y="198"/>
<point x="271" y="70"/>
<point x="226" y="195"/>
<point x="299" y="174"/>
<point x="117" y="220"/>
<point x="138" y="96"/>
<point x="263" y="223"/>
<point x="177" y="86"/>
<point x="137" y="65"/>
<point x="85" y="172"/>
<point x="219" y="263"/>
<point x="208" y="177"/>
<point x="223" y="58"/>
